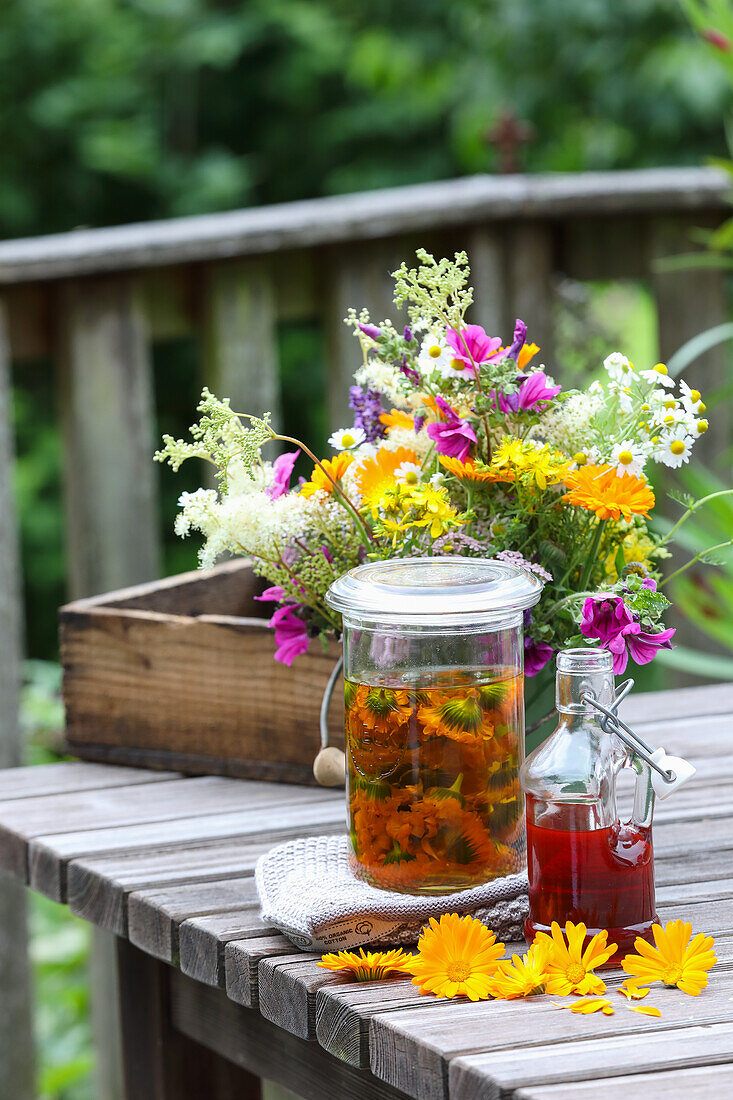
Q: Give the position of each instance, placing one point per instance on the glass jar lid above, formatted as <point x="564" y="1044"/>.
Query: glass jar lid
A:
<point x="434" y="590"/>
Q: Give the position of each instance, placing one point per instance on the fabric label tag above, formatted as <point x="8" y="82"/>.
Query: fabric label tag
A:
<point x="352" y="931"/>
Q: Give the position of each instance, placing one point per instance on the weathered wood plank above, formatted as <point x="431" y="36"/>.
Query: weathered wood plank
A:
<point x="247" y="1039"/>
<point x="497" y="1076"/>
<point x="361" y="216"/>
<point x="49" y="855"/>
<point x="240" y="336"/>
<point x="107" y="416"/>
<point x="693" y="702"/>
<point x="708" y="1083"/>
<point x="70" y="777"/>
<point x="155" y="917"/>
<point x="16" y="1035"/>
<point x="411" y="1049"/>
<point x="202" y="941"/>
<point x="287" y="990"/>
<point x="160" y="1062"/>
<point x="241" y="964"/>
<point x="98" y="887"/>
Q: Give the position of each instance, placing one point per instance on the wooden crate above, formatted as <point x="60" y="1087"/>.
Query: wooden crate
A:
<point x="180" y="674"/>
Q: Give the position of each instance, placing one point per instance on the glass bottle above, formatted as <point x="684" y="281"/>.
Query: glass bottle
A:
<point x="585" y="864"/>
<point x="434" y="716"/>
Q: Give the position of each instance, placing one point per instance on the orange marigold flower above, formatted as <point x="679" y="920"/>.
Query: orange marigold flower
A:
<point x="367" y="966"/>
<point x="599" y="489"/>
<point x="456" y="956"/>
<point x="526" y="352"/>
<point x="397" y="419"/>
<point x="377" y="474"/>
<point x="469" y="471"/>
<point x="677" y="959"/>
<point x="335" y="466"/>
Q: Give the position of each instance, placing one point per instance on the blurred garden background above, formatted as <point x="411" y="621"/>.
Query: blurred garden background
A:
<point x="114" y="111"/>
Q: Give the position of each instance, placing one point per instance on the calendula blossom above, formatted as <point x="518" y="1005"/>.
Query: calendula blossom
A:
<point x="456" y="956"/>
<point x="522" y="976"/>
<point x="570" y="965"/>
<point x="367" y="966"/>
<point x="677" y="959"/>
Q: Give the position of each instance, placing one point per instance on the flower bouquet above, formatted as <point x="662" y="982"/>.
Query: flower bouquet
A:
<point x="460" y="444"/>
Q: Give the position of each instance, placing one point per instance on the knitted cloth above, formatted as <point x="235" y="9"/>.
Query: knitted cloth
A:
<point x="307" y="890"/>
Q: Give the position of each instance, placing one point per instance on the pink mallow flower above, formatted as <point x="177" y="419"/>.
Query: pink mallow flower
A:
<point x="613" y="625"/>
<point x="533" y="389"/>
<point x="536" y="656"/>
<point x="472" y="346"/>
<point x="283" y="469"/>
<point x="453" y="435"/>
<point x="291" y="635"/>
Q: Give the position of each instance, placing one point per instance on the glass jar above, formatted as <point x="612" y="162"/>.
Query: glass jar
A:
<point x="434" y="714"/>
<point x="584" y="863"/>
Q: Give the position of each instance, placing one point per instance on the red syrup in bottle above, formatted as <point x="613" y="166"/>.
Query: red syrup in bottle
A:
<point x="601" y="877"/>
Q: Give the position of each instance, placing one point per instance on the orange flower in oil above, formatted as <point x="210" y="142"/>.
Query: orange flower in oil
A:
<point x="367" y="966"/>
<point x="319" y="480"/>
<point x="599" y="489"/>
<point x="459" y="717"/>
<point x="456" y="957"/>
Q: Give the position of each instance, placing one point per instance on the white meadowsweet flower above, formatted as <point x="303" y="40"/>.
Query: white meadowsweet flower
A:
<point x="658" y="376"/>
<point x="437" y="356"/>
<point x="674" y="448"/>
<point x="691" y="399"/>
<point x="409" y="473"/>
<point x="619" y="368"/>
<point x="628" y="457"/>
<point x="345" y="439"/>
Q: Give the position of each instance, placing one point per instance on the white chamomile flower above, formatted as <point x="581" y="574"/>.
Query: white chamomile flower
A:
<point x="438" y="480"/>
<point x="345" y="439"/>
<point x="436" y="356"/>
<point x="596" y="388"/>
<point x="699" y="427"/>
<point x="619" y="368"/>
<point x="628" y="457"/>
<point x="674" y="448"/>
<point x="409" y="473"/>
<point x="691" y="399"/>
<point x="658" y="376"/>
<point x="623" y="395"/>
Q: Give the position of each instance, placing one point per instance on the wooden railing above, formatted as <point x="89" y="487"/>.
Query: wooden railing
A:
<point x="93" y="302"/>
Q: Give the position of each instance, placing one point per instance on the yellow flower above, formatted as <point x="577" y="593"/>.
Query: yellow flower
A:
<point x="527" y="352"/>
<point x="456" y="956"/>
<point x="522" y="975"/>
<point x="335" y="466"/>
<point x="469" y="471"/>
<point x="636" y="547"/>
<point x="377" y="474"/>
<point x="587" y="1005"/>
<point x="571" y="968"/>
<point x="532" y="464"/>
<point x="632" y="992"/>
<point x="676" y="960"/>
<point x="437" y="511"/>
<point x="645" y="1010"/>
<point x="367" y="966"/>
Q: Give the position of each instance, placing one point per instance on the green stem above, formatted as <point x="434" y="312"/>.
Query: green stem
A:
<point x="697" y="557"/>
<point x="691" y="510"/>
<point x="591" y="559"/>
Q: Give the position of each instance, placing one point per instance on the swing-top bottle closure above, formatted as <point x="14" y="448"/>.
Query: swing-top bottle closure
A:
<point x="585" y="686"/>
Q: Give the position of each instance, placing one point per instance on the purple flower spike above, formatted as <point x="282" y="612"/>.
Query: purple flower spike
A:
<point x="613" y="625"/>
<point x="453" y="436"/>
<point x="520" y="335"/>
<point x="408" y="335"/>
<point x="409" y="372"/>
<point x="370" y="330"/>
<point x="291" y="635"/>
<point x="367" y="407"/>
<point x="419" y="421"/>
<point x="283" y="467"/>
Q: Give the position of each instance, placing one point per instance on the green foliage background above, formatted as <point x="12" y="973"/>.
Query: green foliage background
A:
<point x="120" y="110"/>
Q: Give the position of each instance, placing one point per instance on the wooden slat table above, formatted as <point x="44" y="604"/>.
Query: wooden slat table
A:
<point x="212" y="1000"/>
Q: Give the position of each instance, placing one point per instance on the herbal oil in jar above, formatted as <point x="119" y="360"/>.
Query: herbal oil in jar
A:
<point x="434" y="715"/>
